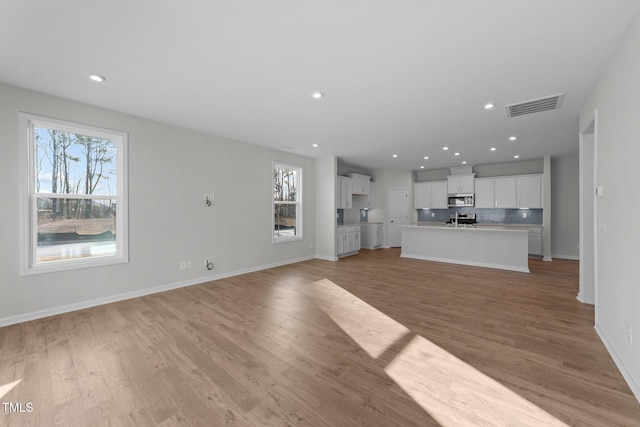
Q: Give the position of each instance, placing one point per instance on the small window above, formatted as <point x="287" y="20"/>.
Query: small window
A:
<point x="287" y="203"/>
<point x="73" y="195"/>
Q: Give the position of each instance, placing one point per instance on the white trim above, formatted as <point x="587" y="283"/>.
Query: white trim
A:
<point x="634" y="383"/>
<point x="326" y="258"/>
<point x="572" y="257"/>
<point x="28" y="197"/>
<point x="298" y="203"/>
<point x="464" y="262"/>
<point x="11" y="320"/>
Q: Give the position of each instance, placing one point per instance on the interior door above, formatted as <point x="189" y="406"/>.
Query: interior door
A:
<point x="397" y="213"/>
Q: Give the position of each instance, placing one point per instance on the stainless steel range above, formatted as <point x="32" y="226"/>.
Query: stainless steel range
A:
<point x="462" y="219"/>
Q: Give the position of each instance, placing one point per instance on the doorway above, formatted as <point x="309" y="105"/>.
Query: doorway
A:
<point x="398" y="212"/>
<point x="588" y="214"/>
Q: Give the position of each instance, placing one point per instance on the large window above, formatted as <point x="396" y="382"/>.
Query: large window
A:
<point x="73" y="210"/>
<point x="287" y="202"/>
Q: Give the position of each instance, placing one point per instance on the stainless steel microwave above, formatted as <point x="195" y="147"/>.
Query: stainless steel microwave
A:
<point x="461" y="200"/>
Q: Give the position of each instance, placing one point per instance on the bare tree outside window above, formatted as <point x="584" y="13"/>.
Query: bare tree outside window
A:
<point x="74" y="192"/>
<point x="286" y="202"/>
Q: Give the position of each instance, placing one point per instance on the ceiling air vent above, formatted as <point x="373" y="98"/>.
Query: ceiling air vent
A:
<point x="535" y="106"/>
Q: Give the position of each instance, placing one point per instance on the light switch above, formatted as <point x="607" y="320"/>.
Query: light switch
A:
<point x="602" y="225"/>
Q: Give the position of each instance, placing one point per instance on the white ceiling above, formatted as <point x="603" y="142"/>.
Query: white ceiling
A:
<point x="401" y="76"/>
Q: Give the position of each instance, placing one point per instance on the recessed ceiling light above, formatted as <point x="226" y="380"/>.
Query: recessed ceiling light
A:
<point x="314" y="145"/>
<point x="464" y="163"/>
<point x="395" y="155"/>
<point x="97" y="78"/>
<point x="426" y="157"/>
<point x="513" y="138"/>
<point x="488" y="105"/>
<point x="445" y="148"/>
<point x="421" y="167"/>
<point x="516" y="157"/>
<point x="492" y="148"/>
<point x="456" y="154"/>
<point x="317" y="95"/>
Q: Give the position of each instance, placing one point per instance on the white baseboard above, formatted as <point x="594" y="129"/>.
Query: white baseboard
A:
<point x="573" y="257"/>
<point x="326" y="258"/>
<point x="634" y="383"/>
<point x="12" y="320"/>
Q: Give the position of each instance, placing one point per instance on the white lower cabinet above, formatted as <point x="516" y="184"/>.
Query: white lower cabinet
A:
<point x="348" y="240"/>
<point x="371" y="235"/>
<point x="535" y="241"/>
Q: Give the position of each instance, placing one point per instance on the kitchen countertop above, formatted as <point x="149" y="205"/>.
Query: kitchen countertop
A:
<point x="483" y="225"/>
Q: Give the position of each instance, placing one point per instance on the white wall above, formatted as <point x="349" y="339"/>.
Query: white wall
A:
<point x="326" y="208"/>
<point x="386" y="179"/>
<point x="169" y="171"/>
<point x="565" y="199"/>
<point x="617" y="99"/>
<point x="511" y="168"/>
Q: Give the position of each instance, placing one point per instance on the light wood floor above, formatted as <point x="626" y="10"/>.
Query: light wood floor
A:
<point x="371" y="340"/>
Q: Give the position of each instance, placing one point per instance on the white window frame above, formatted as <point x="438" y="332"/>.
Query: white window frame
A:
<point x="298" y="203"/>
<point x="28" y="197"/>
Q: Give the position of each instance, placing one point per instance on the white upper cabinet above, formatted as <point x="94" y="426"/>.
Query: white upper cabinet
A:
<point x="530" y="191"/>
<point x="484" y="193"/>
<point x="439" y="195"/>
<point x="422" y="195"/>
<point x="460" y="184"/>
<point x="505" y="192"/>
<point x="344" y="193"/>
<point x="430" y="195"/>
<point x="361" y="184"/>
<point x="509" y="192"/>
<point x="371" y="199"/>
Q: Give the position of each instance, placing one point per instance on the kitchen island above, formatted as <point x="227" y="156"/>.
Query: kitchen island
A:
<point x="505" y="248"/>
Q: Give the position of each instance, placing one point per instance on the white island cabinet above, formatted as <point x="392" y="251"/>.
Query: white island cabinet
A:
<point x="493" y="247"/>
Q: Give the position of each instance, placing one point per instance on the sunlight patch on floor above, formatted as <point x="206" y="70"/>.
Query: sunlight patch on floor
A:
<point x="453" y="392"/>
<point x="375" y="331"/>
<point x="4" y="389"/>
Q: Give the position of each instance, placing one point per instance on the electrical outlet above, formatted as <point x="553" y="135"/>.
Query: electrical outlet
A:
<point x="188" y="264"/>
<point x="433" y="214"/>
<point x="183" y="265"/>
<point x="524" y="214"/>
<point x="630" y="334"/>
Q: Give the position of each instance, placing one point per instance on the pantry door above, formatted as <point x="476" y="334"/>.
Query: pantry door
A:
<point x="398" y="214"/>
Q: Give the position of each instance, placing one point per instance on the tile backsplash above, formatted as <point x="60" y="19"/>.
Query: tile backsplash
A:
<point x="485" y="216"/>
